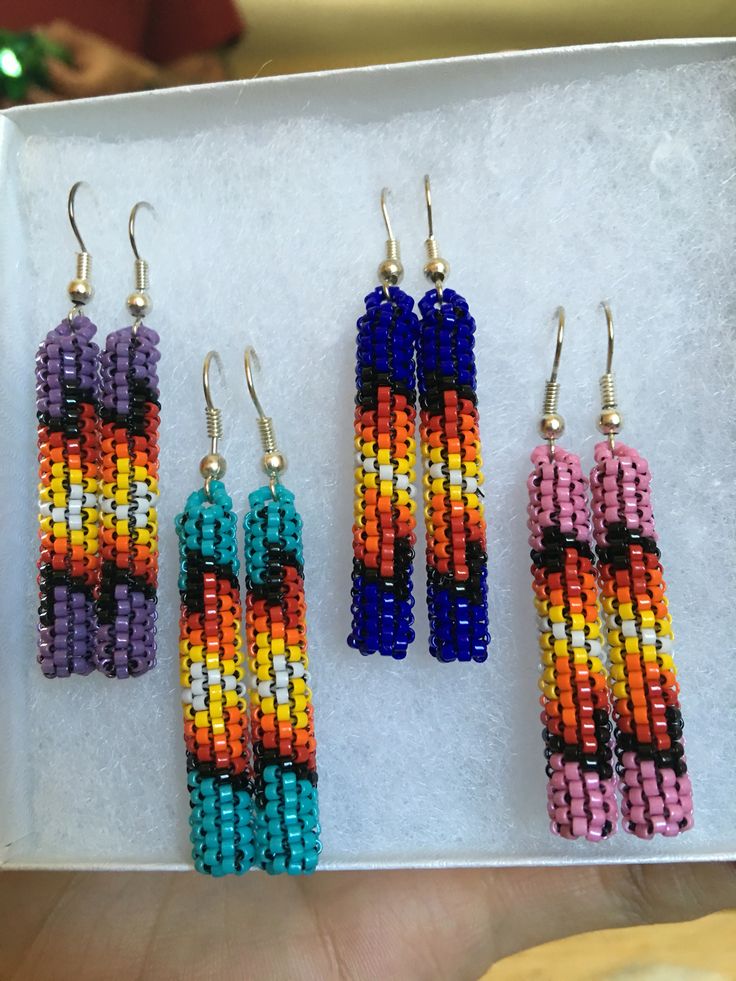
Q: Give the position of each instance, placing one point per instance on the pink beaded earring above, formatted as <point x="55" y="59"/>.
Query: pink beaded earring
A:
<point x="655" y="787"/>
<point x="575" y="701"/>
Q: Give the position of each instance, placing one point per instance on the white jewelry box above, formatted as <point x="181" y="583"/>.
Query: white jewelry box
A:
<point x="559" y="176"/>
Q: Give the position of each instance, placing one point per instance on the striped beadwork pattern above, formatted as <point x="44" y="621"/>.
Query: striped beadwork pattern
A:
<point x="68" y="445"/>
<point x="384" y="524"/>
<point x="575" y="704"/>
<point x="286" y="821"/>
<point x="214" y="690"/>
<point x="457" y="593"/>
<point x="129" y="415"/>
<point x="655" y="786"/>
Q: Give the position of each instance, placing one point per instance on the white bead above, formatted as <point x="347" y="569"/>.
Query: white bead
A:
<point x="197" y="669"/>
<point x="76" y="492"/>
<point x="665" y="645"/>
<point x="456" y="477"/>
<point x="401" y="481"/>
<point x="412" y="490"/>
<point x="186" y="696"/>
<point x="470" y="485"/>
<point x="75" y="507"/>
<point x="214" y="676"/>
<point x="282" y="696"/>
<point x="385" y="472"/>
<point x="229" y="682"/>
<point x="437" y="471"/>
<point x="369" y="464"/>
<point x="279" y="662"/>
<point x="121" y="512"/>
<point x="648" y="636"/>
<point x="198" y="686"/>
<point x="58" y="515"/>
<point x="297" y="670"/>
<point x="282" y="679"/>
<point x="628" y="628"/>
<point x="141" y="520"/>
<point x="577" y="638"/>
<point x="595" y="648"/>
<point x="558" y="631"/>
<point x="199" y="703"/>
<point x="75" y="522"/>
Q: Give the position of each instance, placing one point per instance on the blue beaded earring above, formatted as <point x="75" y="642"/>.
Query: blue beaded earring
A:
<point x="457" y="594"/>
<point x="385" y="417"/>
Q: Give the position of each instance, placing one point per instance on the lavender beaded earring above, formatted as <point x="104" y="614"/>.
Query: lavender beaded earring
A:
<point x="68" y="451"/>
<point x="129" y="417"/>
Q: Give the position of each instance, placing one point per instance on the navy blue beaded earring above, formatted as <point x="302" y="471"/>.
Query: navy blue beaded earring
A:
<point x="385" y="444"/>
<point x="457" y="592"/>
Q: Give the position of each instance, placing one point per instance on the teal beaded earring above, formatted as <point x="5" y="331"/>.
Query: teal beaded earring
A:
<point x="214" y="692"/>
<point x="286" y="822"/>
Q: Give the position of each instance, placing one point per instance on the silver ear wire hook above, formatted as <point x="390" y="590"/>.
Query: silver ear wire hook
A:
<point x="610" y="420"/>
<point x="436" y="269"/>
<point x="273" y="461"/>
<point x="552" y="424"/>
<point x="80" y="289"/>
<point x="213" y="466"/>
<point x="391" y="270"/>
<point x="139" y="302"/>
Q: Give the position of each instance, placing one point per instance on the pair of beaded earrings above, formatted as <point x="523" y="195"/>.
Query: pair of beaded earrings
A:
<point x="252" y="774"/>
<point x="578" y="698"/>
<point x="98" y="422"/>
<point x="395" y="351"/>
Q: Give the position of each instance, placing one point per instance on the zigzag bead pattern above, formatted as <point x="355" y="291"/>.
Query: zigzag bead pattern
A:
<point x="656" y="790"/>
<point x="68" y="444"/>
<point x="213" y="686"/>
<point x="457" y="593"/>
<point x="129" y="414"/>
<point x="286" y="820"/>
<point x="384" y="526"/>
<point x="575" y="706"/>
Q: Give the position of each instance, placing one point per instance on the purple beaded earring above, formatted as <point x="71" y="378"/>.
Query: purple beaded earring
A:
<point x="129" y="418"/>
<point x="68" y="454"/>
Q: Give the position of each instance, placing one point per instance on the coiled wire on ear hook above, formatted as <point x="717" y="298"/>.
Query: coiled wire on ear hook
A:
<point x="139" y="302"/>
<point x="273" y="461"/>
<point x="213" y="465"/>
<point x="552" y="424"/>
<point x="80" y="289"/>
<point x="610" y="420"/>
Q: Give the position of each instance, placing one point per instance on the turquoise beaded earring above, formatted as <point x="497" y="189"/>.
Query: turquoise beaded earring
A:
<point x="286" y="822"/>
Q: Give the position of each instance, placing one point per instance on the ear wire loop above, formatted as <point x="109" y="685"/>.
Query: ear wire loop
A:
<point x="575" y="706"/>
<point x="457" y="559"/>
<point x="130" y="416"/>
<point x="285" y="799"/>
<point x="213" y="686"/>
<point x="68" y="450"/>
<point x="385" y="454"/>
<point x="653" y="777"/>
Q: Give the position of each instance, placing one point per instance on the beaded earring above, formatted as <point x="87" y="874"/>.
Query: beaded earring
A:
<point x="575" y="703"/>
<point x="285" y="807"/>
<point x="212" y="674"/>
<point x="457" y="593"/>
<point x="385" y="419"/>
<point x="129" y="416"/>
<point x="656" y="790"/>
<point x="68" y="450"/>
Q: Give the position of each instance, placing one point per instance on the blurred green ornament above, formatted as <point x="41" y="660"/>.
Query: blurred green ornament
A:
<point x="23" y="62"/>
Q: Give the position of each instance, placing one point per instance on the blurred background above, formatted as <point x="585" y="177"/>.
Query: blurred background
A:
<point x="287" y="36"/>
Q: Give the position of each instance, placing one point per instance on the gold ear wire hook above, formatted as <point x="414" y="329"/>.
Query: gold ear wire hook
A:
<point x="139" y="302"/>
<point x="610" y="420"/>
<point x="436" y="269"/>
<point x="391" y="270"/>
<point x="552" y="424"/>
<point x="273" y="461"/>
<point x="79" y="290"/>
<point x="213" y="465"/>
